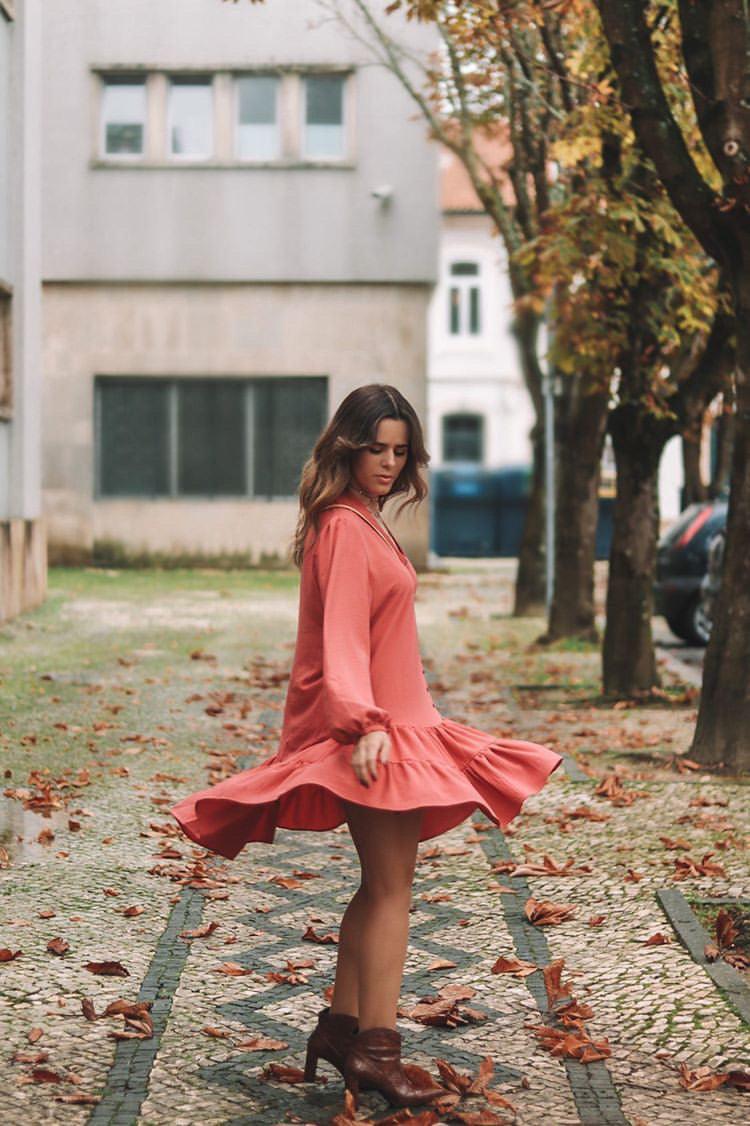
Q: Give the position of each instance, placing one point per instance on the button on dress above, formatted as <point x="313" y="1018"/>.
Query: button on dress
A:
<point x="357" y="668"/>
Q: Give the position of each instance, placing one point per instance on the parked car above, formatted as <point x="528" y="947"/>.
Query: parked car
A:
<point x="681" y="564"/>
<point x="712" y="580"/>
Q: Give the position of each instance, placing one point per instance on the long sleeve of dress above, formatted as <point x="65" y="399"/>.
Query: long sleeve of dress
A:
<point x="345" y="589"/>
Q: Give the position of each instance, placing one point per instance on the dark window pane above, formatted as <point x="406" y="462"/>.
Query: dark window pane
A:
<point x="289" y="416"/>
<point x="454" y="311"/>
<point x="211" y="438"/>
<point x="464" y="269"/>
<point x="462" y="437"/>
<point x="474" y="317"/>
<point x="124" y="138"/>
<point x="325" y="103"/>
<point x="133" y="437"/>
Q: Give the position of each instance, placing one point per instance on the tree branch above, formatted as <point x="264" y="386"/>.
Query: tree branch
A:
<point x="657" y="131"/>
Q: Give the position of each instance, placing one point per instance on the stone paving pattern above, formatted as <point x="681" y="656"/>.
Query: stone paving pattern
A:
<point x="101" y="679"/>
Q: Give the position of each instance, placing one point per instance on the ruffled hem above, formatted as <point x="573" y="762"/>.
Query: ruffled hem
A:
<point x="447" y="770"/>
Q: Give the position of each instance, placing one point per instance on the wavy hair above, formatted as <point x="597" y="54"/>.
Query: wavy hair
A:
<point x="328" y="471"/>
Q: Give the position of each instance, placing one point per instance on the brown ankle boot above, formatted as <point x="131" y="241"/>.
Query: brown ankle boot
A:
<point x="374" y="1062"/>
<point x="330" y="1040"/>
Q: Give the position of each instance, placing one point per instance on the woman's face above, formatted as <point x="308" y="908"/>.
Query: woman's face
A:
<point x="376" y="467"/>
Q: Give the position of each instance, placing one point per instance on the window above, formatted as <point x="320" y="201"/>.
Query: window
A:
<point x="6" y="353"/>
<point x="324" y="117"/>
<point x="463" y="437"/>
<point x="258" y="136"/>
<point x="464" y="299"/>
<point x="123" y="116"/>
<point x="190" y="113"/>
<point x="205" y="437"/>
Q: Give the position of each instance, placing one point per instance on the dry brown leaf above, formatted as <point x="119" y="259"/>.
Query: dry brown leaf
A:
<point x="544" y="913"/>
<point x="556" y="988"/>
<point x="441" y="964"/>
<point x="107" y="969"/>
<point x="7" y="955"/>
<point x="232" y="969"/>
<point x="282" y="1073"/>
<point x="515" y="966"/>
<point x="310" y="935"/>
<point x="200" y="932"/>
<point x="261" y="1044"/>
<point x="657" y="939"/>
<point x="217" y="1033"/>
<point x="58" y="946"/>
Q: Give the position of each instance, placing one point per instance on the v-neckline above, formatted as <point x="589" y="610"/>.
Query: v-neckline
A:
<point x="387" y="536"/>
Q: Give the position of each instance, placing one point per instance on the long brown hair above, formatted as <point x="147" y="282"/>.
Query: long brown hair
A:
<point x="328" y="471"/>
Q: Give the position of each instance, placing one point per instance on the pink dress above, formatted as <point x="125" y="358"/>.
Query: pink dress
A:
<point x="357" y="668"/>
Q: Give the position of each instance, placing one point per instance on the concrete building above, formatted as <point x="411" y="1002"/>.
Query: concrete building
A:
<point x="23" y="566"/>
<point x="240" y="226"/>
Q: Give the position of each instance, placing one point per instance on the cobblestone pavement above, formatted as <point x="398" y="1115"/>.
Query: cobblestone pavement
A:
<point x="126" y="691"/>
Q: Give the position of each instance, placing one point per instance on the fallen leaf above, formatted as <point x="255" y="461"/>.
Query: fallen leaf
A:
<point x="132" y="912"/>
<point x="514" y="966"/>
<point x="232" y="969"/>
<point x="544" y="913"/>
<point x="58" y="946"/>
<point x="107" y="969"/>
<point x="311" y="936"/>
<point x="200" y="932"/>
<point x="554" y="985"/>
<point x="657" y="939"/>
<point x="282" y="1073"/>
<point x="261" y="1044"/>
<point x="7" y="955"/>
<point x="217" y="1033"/>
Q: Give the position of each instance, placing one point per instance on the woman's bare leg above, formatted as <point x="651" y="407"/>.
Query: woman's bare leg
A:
<point x="375" y="928"/>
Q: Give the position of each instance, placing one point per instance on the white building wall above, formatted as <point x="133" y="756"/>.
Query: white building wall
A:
<point x="478" y="374"/>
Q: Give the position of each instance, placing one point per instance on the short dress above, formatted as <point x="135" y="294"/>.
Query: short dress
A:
<point x="357" y="668"/>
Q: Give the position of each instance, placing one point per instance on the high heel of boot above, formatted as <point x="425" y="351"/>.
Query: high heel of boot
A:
<point x="330" y="1041"/>
<point x="352" y="1085"/>
<point x="311" y="1064"/>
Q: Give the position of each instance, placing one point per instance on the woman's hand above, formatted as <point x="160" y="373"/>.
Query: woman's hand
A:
<point x="372" y="748"/>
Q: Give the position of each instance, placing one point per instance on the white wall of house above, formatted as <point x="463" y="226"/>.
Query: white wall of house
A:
<point x="477" y="373"/>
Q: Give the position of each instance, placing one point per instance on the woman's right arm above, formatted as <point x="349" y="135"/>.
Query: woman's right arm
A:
<point x="343" y="576"/>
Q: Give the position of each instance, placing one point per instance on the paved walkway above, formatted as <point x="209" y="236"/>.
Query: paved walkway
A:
<point x="124" y="692"/>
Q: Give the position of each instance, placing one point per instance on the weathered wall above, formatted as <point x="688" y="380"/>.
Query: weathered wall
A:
<point x="351" y="334"/>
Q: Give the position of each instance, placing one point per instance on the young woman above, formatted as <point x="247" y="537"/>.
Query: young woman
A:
<point x="362" y="741"/>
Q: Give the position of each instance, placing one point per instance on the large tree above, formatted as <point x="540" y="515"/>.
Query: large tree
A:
<point x="639" y="321"/>
<point x="711" y="191"/>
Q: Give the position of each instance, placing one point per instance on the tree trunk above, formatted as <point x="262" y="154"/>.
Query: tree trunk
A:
<point x="581" y="440"/>
<point x="530" y="595"/>
<point x="725" y="438"/>
<point x="692" y="442"/>
<point x="722" y="736"/>
<point x="628" y="659"/>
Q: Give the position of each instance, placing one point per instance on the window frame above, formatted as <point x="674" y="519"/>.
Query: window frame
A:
<point x="175" y="79"/>
<point x="469" y="288"/>
<point x="115" y="79"/>
<point x="250" y="385"/>
<point x="303" y="155"/>
<point x="449" y="417"/>
<point x="237" y="77"/>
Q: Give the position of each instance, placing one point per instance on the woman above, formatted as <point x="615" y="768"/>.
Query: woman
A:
<point x="362" y="741"/>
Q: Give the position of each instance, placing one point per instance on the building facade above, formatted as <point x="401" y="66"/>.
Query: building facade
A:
<point x="240" y="226"/>
<point x="23" y="567"/>
<point x="480" y="411"/>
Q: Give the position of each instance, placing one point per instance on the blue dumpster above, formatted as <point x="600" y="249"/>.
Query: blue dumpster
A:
<point x="481" y="512"/>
